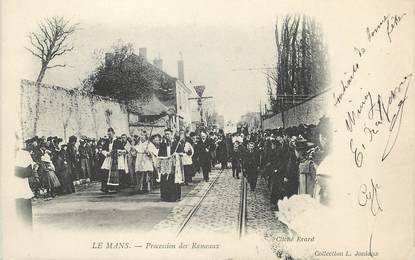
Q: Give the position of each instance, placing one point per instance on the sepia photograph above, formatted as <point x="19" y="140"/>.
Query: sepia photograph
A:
<point x="207" y="130"/>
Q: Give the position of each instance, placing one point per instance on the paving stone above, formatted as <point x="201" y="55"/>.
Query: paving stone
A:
<point x="219" y="210"/>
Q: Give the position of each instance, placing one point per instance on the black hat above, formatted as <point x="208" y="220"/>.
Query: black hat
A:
<point x="72" y="138"/>
<point x="31" y="140"/>
<point x="57" y="140"/>
<point x="302" y="143"/>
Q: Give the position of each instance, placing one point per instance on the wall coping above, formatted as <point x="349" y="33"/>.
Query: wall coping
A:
<point x="70" y="91"/>
<point x="298" y="104"/>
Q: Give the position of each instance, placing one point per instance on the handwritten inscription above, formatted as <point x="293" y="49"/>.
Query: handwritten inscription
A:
<point x="369" y="196"/>
<point x="377" y="111"/>
<point x="388" y="24"/>
<point x="375" y="115"/>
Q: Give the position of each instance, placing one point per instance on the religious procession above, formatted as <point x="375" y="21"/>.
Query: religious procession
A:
<point x="144" y="162"/>
<point x="164" y="153"/>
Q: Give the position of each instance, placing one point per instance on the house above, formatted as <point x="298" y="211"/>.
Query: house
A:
<point x="251" y="120"/>
<point x="169" y="104"/>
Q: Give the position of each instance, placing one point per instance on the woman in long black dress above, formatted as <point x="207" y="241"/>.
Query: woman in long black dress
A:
<point x="63" y="171"/>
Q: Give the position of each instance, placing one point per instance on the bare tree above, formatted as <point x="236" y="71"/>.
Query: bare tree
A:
<point x="51" y="41"/>
<point x="301" y="62"/>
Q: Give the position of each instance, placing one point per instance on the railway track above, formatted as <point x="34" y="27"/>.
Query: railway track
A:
<point x="241" y="214"/>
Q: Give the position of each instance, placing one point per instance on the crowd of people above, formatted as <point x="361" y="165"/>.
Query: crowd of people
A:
<point x="286" y="158"/>
<point x="142" y="162"/>
<point x="290" y="160"/>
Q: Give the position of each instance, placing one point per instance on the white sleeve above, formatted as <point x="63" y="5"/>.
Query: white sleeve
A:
<point x="128" y="147"/>
<point x="23" y="158"/>
<point x="152" y="149"/>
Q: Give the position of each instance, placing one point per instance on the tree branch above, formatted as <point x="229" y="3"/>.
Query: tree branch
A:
<point x="61" y="52"/>
<point x="33" y="53"/>
<point x="51" y="40"/>
<point x="57" y="65"/>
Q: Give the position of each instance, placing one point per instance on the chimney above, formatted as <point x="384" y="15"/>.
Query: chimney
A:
<point x="158" y="63"/>
<point x="142" y="52"/>
<point x="180" y="68"/>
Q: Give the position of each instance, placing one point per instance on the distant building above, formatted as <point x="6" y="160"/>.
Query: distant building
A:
<point x="169" y="106"/>
<point x="183" y="106"/>
<point x="251" y="120"/>
<point x="220" y="121"/>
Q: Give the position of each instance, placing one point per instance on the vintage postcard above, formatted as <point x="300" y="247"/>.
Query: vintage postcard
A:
<point x="193" y="129"/>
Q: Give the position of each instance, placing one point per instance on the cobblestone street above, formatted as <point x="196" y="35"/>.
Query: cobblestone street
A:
<point x="218" y="211"/>
<point x="262" y="220"/>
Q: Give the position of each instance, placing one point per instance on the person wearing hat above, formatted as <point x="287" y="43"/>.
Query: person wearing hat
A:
<point x="278" y="159"/>
<point x="22" y="191"/>
<point x="48" y="178"/>
<point x="186" y="154"/>
<point x="306" y="168"/>
<point x="236" y="159"/>
<point x="99" y="159"/>
<point x="213" y="159"/>
<point x="73" y="158"/>
<point x="32" y="145"/>
<point x="266" y="157"/>
<point x="55" y="144"/>
<point x="91" y="150"/>
<point x="222" y="151"/>
<point x="84" y="156"/>
<point x="250" y="165"/>
<point x="290" y="173"/>
<point x="63" y="171"/>
<point x="145" y="151"/>
<point x="114" y="151"/>
<point x="203" y="150"/>
<point x="125" y="178"/>
<point x="169" y="189"/>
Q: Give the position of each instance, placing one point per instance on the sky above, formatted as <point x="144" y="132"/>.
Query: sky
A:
<point x="214" y="42"/>
<point x="215" y="38"/>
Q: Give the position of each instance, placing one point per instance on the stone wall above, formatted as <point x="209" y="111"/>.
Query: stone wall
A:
<point x="65" y="112"/>
<point x="308" y="112"/>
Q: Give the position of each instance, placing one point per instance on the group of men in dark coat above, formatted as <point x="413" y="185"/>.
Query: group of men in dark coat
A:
<point x="289" y="158"/>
